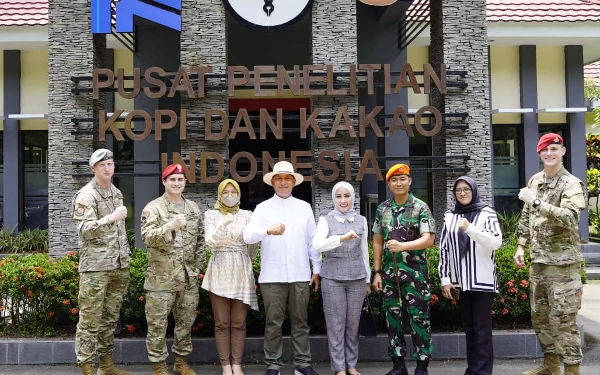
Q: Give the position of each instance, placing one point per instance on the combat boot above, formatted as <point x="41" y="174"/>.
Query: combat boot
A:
<point x="107" y="367"/>
<point x="87" y="368"/>
<point x="160" y="368"/>
<point x="399" y="367"/>
<point x="421" y="368"/>
<point x="571" y="369"/>
<point x="551" y="366"/>
<point x="181" y="366"/>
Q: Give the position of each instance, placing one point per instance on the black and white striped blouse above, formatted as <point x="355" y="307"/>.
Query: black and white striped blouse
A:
<point x="477" y="270"/>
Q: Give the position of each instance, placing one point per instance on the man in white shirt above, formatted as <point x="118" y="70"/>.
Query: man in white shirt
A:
<point x="285" y="226"/>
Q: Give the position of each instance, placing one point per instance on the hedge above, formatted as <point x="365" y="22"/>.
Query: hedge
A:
<point x="38" y="296"/>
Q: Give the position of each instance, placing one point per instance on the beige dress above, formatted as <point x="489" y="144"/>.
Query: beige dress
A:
<point x="229" y="273"/>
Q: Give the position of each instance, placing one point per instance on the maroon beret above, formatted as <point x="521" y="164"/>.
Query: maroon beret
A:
<point x="172" y="169"/>
<point x="549" y="139"/>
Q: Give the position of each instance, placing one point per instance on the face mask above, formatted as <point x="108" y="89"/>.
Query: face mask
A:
<point x="230" y="201"/>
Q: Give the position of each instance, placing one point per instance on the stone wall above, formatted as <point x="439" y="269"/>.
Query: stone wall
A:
<point x="459" y="39"/>
<point x="72" y="51"/>
<point x="334" y="42"/>
<point x="203" y="43"/>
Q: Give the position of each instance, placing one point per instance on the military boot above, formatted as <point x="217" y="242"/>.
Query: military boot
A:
<point x="572" y="369"/>
<point x="87" y="368"/>
<point x="181" y="366"/>
<point x="160" y="368"/>
<point x="399" y="367"/>
<point x="551" y="366"/>
<point x="107" y="367"/>
<point x="421" y="368"/>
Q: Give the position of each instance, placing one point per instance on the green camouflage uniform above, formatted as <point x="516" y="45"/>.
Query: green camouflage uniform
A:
<point x="175" y="259"/>
<point x="551" y="230"/>
<point x="415" y="217"/>
<point x="103" y="266"/>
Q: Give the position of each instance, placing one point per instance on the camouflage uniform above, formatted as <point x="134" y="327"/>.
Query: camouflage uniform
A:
<point x="415" y="218"/>
<point x="175" y="259"/>
<point x="552" y="232"/>
<point x="103" y="265"/>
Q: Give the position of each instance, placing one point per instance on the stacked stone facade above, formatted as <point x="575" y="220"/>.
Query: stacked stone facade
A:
<point x="72" y="51"/>
<point x="334" y="42"/>
<point x="459" y="39"/>
<point x="204" y="43"/>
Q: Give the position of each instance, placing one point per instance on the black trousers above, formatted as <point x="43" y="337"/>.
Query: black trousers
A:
<point x="476" y="317"/>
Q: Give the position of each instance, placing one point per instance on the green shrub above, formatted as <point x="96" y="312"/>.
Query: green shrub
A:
<point x="28" y="241"/>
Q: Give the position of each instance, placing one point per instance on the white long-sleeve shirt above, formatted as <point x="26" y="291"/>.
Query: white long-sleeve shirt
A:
<point x="285" y="258"/>
<point x="477" y="270"/>
<point x="322" y="242"/>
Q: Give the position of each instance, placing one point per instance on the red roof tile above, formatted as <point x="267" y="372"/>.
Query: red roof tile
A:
<point x="543" y="10"/>
<point x="23" y="12"/>
<point x="592" y="71"/>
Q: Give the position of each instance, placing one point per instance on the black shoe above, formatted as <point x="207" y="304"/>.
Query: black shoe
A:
<point x="421" y="368"/>
<point x="305" y="371"/>
<point x="272" y="371"/>
<point x="468" y="371"/>
<point x="399" y="367"/>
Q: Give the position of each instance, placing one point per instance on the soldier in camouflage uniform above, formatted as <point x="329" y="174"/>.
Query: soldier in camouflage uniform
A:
<point x="173" y="232"/>
<point x="103" y="265"/>
<point x="549" y="221"/>
<point x="404" y="227"/>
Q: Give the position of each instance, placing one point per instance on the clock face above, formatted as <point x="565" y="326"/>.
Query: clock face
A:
<point x="268" y="15"/>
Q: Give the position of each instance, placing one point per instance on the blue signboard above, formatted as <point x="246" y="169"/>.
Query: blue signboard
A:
<point x="126" y="9"/>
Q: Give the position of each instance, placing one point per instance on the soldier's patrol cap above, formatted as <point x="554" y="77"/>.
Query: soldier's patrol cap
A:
<point x="100" y="154"/>
<point x="397" y="170"/>
<point x="172" y="169"/>
<point x="549" y="139"/>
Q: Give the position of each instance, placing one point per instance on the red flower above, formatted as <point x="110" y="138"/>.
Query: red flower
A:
<point x="67" y="302"/>
<point x="524" y="283"/>
<point x="524" y="296"/>
<point x="29" y="295"/>
<point x="50" y="314"/>
<point x="131" y="328"/>
<point x="434" y="299"/>
<point x="512" y="290"/>
<point x="74" y="311"/>
<point x="71" y="253"/>
<point x="56" y="288"/>
<point x="493" y="312"/>
<point x="504" y="311"/>
<point x="453" y="302"/>
<point x="201" y="276"/>
<point x="501" y="300"/>
<point x="197" y="311"/>
<point x="1" y="308"/>
<point x="511" y="283"/>
<point x="24" y="269"/>
<point x="141" y="298"/>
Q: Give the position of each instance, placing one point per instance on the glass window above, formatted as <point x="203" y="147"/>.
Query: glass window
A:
<point x="420" y="145"/>
<point x="507" y="168"/>
<point x="123" y="153"/>
<point x="35" y="179"/>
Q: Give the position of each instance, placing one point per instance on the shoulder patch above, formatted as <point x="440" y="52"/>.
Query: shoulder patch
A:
<point x="79" y="211"/>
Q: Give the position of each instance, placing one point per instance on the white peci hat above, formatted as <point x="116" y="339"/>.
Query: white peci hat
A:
<point x="283" y="167"/>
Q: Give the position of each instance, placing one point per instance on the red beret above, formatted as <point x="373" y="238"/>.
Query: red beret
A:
<point x="398" y="169"/>
<point x="172" y="169"/>
<point x="549" y="139"/>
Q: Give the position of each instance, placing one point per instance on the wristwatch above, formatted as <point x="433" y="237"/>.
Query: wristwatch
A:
<point x="536" y="203"/>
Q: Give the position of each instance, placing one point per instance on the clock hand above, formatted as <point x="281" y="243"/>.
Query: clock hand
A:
<point x="268" y="7"/>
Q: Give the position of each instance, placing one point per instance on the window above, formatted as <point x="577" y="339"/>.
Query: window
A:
<point x="420" y="145"/>
<point x="507" y="168"/>
<point x="35" y="179"/>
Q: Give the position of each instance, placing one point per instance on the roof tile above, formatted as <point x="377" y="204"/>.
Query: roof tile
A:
<point x="23" y="12"/>
<point x="543" y="10"/>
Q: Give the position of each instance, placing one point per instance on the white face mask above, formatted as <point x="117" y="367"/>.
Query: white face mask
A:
<point x="230" y="201"/>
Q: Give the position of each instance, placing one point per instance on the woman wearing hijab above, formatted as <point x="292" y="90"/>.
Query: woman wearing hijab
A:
<point x="467" y="268"/>
<point x="342" y="234"/>
<point x="229" y="277"/>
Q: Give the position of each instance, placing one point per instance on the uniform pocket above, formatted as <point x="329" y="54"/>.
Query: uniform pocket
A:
<point x="567" y="296"/>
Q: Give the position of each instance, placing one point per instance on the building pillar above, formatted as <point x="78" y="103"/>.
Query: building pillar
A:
<point x="529" y="99"/>
<point x="334" y="42"/>
<point x="13" y="144"/>
<point x="576" y="123"/>
<point x="204" y="43"/>
<point x="72" y="51"/>
<point x="459" y="39"/>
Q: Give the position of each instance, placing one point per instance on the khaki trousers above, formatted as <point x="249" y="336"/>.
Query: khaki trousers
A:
<point x="230" y="328"/>
<point x="276" y="298"/>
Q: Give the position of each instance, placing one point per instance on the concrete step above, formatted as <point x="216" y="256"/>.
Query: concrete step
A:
<point x="590" y="247"/>
<point x="593" y="272"/>
<point x="592" y="258"/>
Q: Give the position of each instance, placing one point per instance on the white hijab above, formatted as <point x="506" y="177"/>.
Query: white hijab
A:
<point x="339" y="215"/>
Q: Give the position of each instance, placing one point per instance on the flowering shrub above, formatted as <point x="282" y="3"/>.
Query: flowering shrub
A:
<point x="38" y="295"/>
